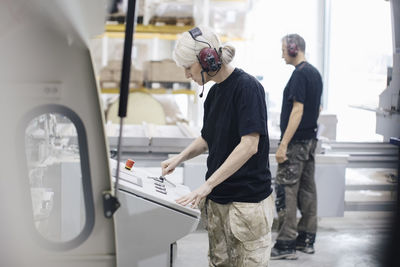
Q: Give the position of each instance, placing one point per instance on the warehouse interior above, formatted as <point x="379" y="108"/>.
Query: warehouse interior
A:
<point x="65" y="143"/>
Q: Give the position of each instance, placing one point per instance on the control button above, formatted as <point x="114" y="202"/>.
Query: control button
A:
<point x="162" y="178"/>
<point x="161" y="187"/>
<point x="129" y="164"/>
<point x="158" y="184"/>
<point x="162" y="192"/>
<point x="158" y="179"/>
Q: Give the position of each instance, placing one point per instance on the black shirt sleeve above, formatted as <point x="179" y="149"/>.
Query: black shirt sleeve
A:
<point x="207" y="103"/>
<point x="250" y="107"/>
<point x="297" y="90"/>
<point x="205" y="115"/>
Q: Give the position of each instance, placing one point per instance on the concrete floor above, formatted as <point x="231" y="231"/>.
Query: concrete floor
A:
<point x="355" y="240"/>
<point x="358" y="239"/>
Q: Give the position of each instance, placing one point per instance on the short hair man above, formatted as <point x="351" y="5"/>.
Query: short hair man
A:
<point x="295" y="184"/>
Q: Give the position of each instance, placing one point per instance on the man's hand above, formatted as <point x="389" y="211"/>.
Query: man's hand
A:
<point x="281" y="153"/>
<point x="194" y="197"/>
<point x="294" y="121"/>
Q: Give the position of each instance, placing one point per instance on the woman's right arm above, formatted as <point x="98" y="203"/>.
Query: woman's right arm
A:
<point x="196" y="148"/>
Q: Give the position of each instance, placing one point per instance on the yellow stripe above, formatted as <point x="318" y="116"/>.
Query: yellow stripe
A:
<point x="149" y="91"/>
<point x="167" y="32"/>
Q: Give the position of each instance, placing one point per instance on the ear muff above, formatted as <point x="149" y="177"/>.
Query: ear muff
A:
<point x="292" y="48"/>
<point x="209" y="59"/>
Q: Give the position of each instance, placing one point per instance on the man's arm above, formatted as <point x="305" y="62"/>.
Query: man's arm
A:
<point x="294" y="120"/>
<point x="247" y="147"/>
<point x="197" y="147"/>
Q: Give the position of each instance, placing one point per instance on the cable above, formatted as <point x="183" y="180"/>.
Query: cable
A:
<point x="202" y="81"/>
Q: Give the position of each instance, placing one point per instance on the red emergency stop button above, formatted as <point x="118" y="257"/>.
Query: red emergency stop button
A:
<point x="129" y="164"/>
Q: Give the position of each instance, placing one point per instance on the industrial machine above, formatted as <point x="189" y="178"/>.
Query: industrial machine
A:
<point x="388" y="113"/>
<point x="56" y="176"/>
<point x="47" y="77"/>
<point x="55" y="159"/>
<point x="149" y="220"/>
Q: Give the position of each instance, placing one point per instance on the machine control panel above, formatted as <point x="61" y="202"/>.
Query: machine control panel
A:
<point x="157" y="189"/>
<point x="129" y="177"/>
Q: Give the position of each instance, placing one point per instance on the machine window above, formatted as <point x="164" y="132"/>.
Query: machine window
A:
<point x="55" y="177"/>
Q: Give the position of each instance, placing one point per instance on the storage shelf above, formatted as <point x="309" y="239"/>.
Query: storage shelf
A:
<point x="167" y="29"/>
<point x="166" y="32"/>
<point x="150" y="91"/>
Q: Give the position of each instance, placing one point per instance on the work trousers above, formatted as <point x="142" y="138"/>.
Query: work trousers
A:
<point x="295" y="188"/>
<point x="239" y="233"/>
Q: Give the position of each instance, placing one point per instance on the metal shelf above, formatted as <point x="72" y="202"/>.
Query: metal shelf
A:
<point x="150" y="91"/>
<point x="166" y="32"/>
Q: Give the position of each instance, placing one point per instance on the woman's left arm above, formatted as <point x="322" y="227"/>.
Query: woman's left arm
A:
<point x="247" y="147"/>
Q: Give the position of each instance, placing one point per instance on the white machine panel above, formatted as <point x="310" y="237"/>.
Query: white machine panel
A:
<point x="143" y="184"/>
<point x="149" y="221"/>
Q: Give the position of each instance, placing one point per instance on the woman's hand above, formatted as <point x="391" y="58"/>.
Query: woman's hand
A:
<point x="169" y="165"/>
<point x="194" y="197"/>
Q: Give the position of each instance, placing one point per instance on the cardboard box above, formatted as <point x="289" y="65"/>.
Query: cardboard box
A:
<point x="135" y="76"/>
<point x="114" y="64"/>
<point x="163" y="71"/>
<point x="106" y="74"/>
<point x="110" y="76"/>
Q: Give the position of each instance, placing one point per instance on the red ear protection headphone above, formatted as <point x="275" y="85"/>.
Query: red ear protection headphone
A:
<point x="208" y="57"/>
<point x="291" y="46"/>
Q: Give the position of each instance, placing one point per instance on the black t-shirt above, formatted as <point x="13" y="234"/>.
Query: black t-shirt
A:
<point x="234" y="108"/>
<point x="304" y="86"/>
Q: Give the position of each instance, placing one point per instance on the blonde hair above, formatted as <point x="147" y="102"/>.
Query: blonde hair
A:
<point x="186" y="48"/>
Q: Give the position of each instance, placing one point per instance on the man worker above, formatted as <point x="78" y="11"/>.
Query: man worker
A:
<point x="295" y="184"/>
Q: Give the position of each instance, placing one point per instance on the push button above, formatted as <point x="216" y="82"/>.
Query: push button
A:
<point x="129" y="164"/>
<point x="160" y="187"/>
<point x="161" y="191"/>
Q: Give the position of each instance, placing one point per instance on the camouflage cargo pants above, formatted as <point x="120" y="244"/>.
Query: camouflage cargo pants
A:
<point x="295" y="188"/>
<point x="239" y="233"/>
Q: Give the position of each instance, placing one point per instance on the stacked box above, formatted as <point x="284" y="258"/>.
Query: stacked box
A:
<point x="110" y="75"/>
<point x="164" y="71"/>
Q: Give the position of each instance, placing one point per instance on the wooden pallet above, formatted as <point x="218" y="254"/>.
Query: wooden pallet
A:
<point x="168" y="85"/>
<point x="158" y="21"/>
<point x="115" y="84"/>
